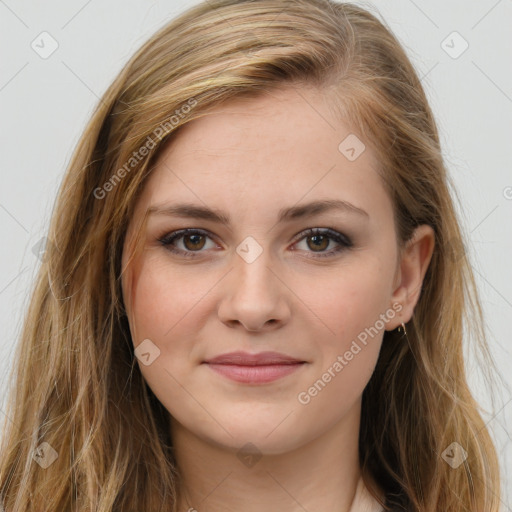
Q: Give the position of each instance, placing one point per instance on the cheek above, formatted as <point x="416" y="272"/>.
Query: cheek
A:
<point x="166" y="299"/>
<point x="349" y="301"/>
<point x="167" y="309"/>
<point x="350" y="308"/>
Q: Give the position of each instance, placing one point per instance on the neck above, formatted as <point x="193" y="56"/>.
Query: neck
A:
<point x="320" y="475"/>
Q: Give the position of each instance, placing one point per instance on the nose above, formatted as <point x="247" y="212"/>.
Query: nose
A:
<point x="255" y="295"/>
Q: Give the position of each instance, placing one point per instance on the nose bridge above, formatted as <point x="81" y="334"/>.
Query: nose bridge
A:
<point x="253" y="265"/>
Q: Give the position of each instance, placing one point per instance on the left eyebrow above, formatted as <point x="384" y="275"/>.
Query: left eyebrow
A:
<point x="288" y="214"/>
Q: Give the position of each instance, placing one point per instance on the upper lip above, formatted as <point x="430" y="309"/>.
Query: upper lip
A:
<point x="247" y="359"/>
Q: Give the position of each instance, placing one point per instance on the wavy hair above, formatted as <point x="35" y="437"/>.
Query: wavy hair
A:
<point x="76" y="388"/>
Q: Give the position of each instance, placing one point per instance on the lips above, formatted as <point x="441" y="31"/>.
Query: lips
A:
<point x="246" y="359"/>
<point x="261" y="368"/>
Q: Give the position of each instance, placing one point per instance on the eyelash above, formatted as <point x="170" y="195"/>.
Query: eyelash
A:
<point x="345" y="242"/>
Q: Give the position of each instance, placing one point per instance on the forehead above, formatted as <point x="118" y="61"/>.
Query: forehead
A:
<point x="268" y="150"/>
<point x="289" y="123"/>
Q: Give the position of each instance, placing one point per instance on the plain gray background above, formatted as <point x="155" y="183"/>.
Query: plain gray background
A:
<point x="45" y="103"/>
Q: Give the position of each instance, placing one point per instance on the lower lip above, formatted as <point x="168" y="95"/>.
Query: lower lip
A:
<point x="255" y="374"/>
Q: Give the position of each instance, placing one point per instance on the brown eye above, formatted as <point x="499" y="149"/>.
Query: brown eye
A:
<point x="319" y="242"/>
<point x="193" y="242"/>
<point x="187" y="242"/>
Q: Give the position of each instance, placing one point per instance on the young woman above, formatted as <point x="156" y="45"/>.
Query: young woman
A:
<point x="255" y="290"/>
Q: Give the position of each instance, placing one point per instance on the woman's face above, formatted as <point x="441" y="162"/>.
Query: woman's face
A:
<point x="259" y="281"/>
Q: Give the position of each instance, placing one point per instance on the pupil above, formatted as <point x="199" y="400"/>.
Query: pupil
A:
<point x="195" y="238"/>
<point x="316" y="237"/>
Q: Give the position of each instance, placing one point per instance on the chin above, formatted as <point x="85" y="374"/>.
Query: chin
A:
<point x="258" y="438"/>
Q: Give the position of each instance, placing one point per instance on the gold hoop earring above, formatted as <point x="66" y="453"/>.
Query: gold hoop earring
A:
<point x="402" y="327"/>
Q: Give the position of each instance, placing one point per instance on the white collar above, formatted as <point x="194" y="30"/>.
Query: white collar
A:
<point x="363" y="501"/>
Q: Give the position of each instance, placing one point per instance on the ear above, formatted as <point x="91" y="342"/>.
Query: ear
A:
<point x="411" y="269"/>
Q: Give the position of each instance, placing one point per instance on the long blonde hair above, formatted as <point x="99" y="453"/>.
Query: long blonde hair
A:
<point x="85" y="432"/>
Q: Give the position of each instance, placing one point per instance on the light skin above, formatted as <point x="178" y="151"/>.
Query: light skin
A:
<point x="250" y="159"/>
